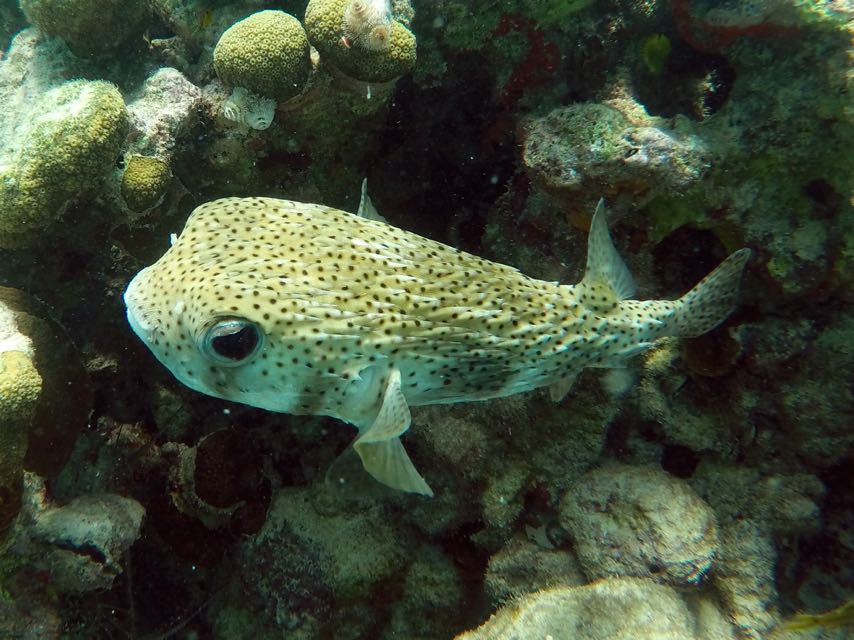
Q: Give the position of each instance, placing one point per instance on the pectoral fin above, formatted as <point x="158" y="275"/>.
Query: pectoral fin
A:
<point x="559" y="389"/>
<point x="380" y="449"/>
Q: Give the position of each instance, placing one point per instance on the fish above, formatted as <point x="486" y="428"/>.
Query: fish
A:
<point x="309" y="310"/>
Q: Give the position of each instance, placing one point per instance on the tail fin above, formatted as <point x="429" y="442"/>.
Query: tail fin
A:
<point x="709" y="303"/>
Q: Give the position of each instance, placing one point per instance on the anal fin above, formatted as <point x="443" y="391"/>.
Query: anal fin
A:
<point x="380" y="449"/>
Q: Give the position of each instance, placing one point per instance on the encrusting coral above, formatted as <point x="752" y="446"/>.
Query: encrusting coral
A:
<point x="20" y="386"/>
<point x="655" y="526"/>
<point x="612" y="609"/>
<point x="66" y="149"/>
<point x="89" y="27"/>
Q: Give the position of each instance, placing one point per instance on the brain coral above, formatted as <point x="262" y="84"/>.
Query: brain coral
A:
<point x="325" y="24"/>
<point x="68" y="146"/>
<point x="266" y="53"/>
<point x="144" y="182"/>
<point x="88" y="27"/>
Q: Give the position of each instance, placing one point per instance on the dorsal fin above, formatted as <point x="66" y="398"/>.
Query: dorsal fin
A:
<point x="367" y="209"/>
<point x="605" y="267"/>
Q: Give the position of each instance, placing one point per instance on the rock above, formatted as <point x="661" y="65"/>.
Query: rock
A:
<point x="522" y="567"/>
<point x="81" y="544"/>
<point x="611" y="609"/>
<point x="638" y="521"/>
<point x="583" y="151"/>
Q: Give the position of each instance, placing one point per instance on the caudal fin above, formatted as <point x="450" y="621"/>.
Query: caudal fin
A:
<point x="709" y="303"/>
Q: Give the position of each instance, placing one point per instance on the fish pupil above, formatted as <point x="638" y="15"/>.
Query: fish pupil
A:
<point x="237" y="345"/>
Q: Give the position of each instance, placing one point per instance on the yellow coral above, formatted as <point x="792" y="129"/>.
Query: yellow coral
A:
<point x="266" y="53"/>
<point x="67" y="147"/>
<point x="144" y="182"/>
<point x="325" y="25"/>
<point x="20" y="386"/>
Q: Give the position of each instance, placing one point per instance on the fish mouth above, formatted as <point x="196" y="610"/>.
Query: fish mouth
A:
<point x="141" y="325"/>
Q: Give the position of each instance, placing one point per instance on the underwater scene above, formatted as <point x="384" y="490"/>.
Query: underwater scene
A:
<point x="427" y="319"/>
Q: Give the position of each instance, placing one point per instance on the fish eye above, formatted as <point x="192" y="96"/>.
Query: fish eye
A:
<point x="231" y="341"/>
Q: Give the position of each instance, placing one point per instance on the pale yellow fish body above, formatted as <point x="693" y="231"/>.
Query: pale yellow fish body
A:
<point x="306" y="309"/>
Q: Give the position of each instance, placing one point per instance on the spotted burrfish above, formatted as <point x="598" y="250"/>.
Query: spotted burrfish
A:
<point x="309" y="310"/>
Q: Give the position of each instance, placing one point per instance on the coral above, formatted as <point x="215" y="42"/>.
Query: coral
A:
<point x="707" y="125"/>
<point x="20" y="386"/>
<point x="813" y="403"/>
<point x="580" y="152"/>
<point x="66" y="399"/>
<point x="367" y="24"/>
<point x="266" y="53"/>
<point x="312" y="554"/>
<point x="783" y="504"/>
<point x="89" y="27"/>
<point x="298" y="517"/>
<point x="614" y="608"/>
<point x="654" y="526"/>
<point x="144" y="182"/>
<point x="325" y="25"/>
<point x="246" y="108"/>
<point x="70" y="143"/>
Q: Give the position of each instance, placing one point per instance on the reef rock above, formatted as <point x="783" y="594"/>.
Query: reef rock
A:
<point x="82" y="543"/>
<point x="583" y="151"/>
<point x="612" y="609"/>
<point x="638" y="521"/>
